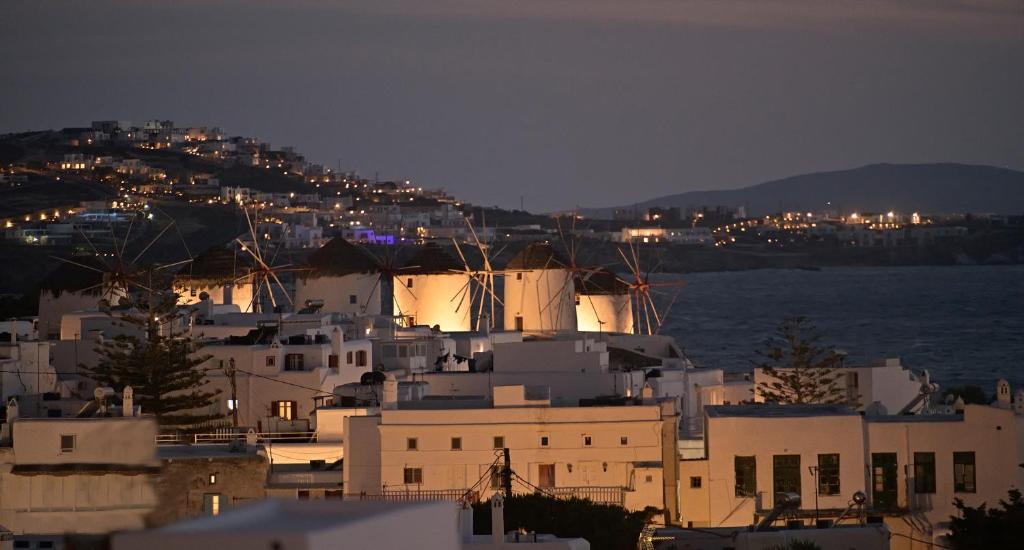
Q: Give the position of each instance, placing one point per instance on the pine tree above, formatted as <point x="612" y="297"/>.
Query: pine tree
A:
<point x="799" y="370"/>
<point x="162" y="368"/>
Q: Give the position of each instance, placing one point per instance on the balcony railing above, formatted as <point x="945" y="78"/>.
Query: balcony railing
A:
<point x="599" y="495"/>
<point x="404" y="495"/>
<point x="222" y="437"/>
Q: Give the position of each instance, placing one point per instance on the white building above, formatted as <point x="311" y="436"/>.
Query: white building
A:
<point x="539" y="292"/>
<point x="618" y="454"/>
<point x="76" y="476"/>
<point x="911" y="467"/>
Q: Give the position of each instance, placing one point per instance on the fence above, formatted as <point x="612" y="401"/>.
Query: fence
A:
<point x="221" y="437"/>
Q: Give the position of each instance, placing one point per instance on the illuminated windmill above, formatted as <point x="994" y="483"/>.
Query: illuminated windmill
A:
<point x="478" y="285"/>
<point x="540" y="295"/>
<point x="648" y="318"/>
<point x="344" y="276"/>
<point x="222" y="274"/>
<point x="601" y="299"/>
<point x="428" y="279"/>
<point x="263" y="277"/>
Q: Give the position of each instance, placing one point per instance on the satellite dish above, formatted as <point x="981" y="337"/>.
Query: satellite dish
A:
<point x="859" y="497"/>
<point x="204" y="296"/>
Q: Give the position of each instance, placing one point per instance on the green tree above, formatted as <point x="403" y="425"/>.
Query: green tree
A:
<point x="163" y="368"/>
<point x="981" y="528"/>
<point x="798" y="369"/>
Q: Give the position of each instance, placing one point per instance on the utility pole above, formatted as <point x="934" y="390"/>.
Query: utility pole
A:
<point x="234" y="392"/>
<point x="506" y="475"/>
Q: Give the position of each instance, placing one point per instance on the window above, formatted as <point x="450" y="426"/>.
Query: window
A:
<point x="587" y="441"/>
<point x="786" y="474"/>
<point x="294" y="361"/>
<point x="232" y="404"/>
<point x="361" y="358"/>
<point x="648" y="478"/>
<point x="828" y="474"/>
<point x="963" y="472"/>
<point x="408" y="283"/>
<point x="746" y="476"/>
<point x="348" y="358"/>
<point x="403" y="352"/>
<point x="352" y="299"/>
<point x="302" y="494"/>
<point x="332" y="361"/>
<point x="213" y="479"/>
<point x="412" y="475"/>
<point x="547" y="475"/>
<point x="284" y="410"/>
<point x="695" y="482"/>
<point x="271" y="360"/>
<point x="924" y="473"/>
<point x="543" y="441"/>
<point x="519" y="276"/>
<point x="67" y="443"/>
<point x="623" y="440"/>
<point x="412" y="444"/>
<point x="499" y="442"/>
<point x="211" y="504"/>
<point x="456" y="443"/>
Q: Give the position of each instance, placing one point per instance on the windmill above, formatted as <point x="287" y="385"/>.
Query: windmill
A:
<point x="264" y="271"/>
<point x="641" y="289"/>
<point x="479" y="285"/>
<point x="119" y="274"/>
<point x="109" y="275"/>
<point x="388" y="274"/>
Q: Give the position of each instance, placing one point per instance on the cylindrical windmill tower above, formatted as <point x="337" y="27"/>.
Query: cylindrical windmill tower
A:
<point x="603" y="302"/>
<point x="426" y="290"/>
<point x="222" y="274"/>
<point x="344" y="276"/>
<point x="539" y="292"/>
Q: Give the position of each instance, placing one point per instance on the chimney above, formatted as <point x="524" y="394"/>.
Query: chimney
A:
<point x="389" y="399"/>
<point x="128" y="402"/>
<point x="498" y="519"/>
<point x="12" y="410"/>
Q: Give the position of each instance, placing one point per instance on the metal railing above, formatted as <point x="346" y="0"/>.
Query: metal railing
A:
<point x="221" y="437"/>
<point x="403" y="495"/>
<point x="599" y="495"/>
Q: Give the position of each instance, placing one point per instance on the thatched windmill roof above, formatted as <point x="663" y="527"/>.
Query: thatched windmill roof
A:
<point x="600" y="282"/>
<point x="537" y="255"/>
<point x="68" y="277"/>
<point x="338" y="258"/>
<point x="217" y="264"/>
<point x="430" y="259"/>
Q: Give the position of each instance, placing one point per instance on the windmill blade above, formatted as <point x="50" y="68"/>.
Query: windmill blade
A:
<point x="372" y="290"/>
<point x="65" y="260"/>
<point x="654" y="309"/>
<point x="167" y="266"/>
<point x="257" y="286"/>
<point x="95" y="250"/>
<point x="126" y="235"/>
<point x="284" y="291"/>
<point x="668" y="309"/>
<point x="155" y="239"/>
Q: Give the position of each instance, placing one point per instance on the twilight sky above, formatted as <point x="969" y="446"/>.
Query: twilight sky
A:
<point x="565" y="102"/>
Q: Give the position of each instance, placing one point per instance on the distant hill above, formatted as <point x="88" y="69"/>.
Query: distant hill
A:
<point x="927" y="188"/>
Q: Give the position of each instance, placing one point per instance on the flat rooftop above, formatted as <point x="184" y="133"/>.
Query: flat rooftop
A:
<point x="276" y="516"/>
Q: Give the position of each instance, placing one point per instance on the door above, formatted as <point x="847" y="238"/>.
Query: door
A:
<point x="519" y="324"/>
<point x="883" y="480"/>
<point x="547" y="475"/>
